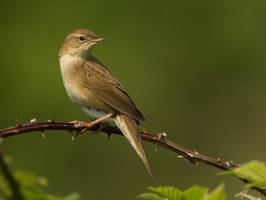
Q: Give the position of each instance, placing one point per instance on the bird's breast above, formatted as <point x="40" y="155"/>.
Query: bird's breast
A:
<point x="73" y="75"/>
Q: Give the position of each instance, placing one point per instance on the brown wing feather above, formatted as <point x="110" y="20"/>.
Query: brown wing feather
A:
<point x="107" y="88"/>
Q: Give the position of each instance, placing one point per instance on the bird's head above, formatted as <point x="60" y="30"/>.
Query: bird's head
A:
<point x="80" y="42"/>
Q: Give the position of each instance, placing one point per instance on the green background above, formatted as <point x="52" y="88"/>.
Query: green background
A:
<point x="196" y="69"/>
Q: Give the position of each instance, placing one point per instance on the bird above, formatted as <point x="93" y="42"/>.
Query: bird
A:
<point x="92" y="87"/>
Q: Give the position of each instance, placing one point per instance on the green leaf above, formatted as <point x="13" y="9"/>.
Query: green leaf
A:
<point x="253" y="171"/>
<point x="151" y="196"/>
<point x="170" y="193"/>
<point x="195" y="192"/>
<point x="25" y="178"/>
<point x="73" y="196"/>
<point x="31" y="187"/>
<point x="217" y="194"/>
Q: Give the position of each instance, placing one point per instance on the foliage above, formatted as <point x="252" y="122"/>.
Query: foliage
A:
<point x="32" y="187"/>
<point x="193" y="193"/>
<point x="253" y="171"/>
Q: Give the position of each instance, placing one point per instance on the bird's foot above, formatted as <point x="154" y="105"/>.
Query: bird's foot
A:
<point x="79" y="124"/>
<point x="84" y="125"/>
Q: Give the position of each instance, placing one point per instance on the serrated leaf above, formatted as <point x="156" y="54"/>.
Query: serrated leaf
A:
<point x="217" y="194"/>
<point x="170" y="193"/>
<point x="253" y="171"/>
<point x="195" y="193"/>
<point x="151" y="196"/>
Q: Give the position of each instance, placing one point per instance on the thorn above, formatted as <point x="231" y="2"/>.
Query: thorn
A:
<point x="195" y="152"/>
<point x="156" y="147"/>
<point x="72" y="136"/>
<point x="17" y="123"/>
<point x="161" y="135"/>
<point x="191" y="158"/>
<point x="51" y="120"/>
<point x="33" y="120"/>
<point x="234" y="164"/>
<point x="76" y="135"/>
<point x="43" y="135"/>
<point x="180" y="156"/>
<point x="190" y="155"/>
<point x="231" y="164"/>
<point x="219" y="159"/>
<point x="108" y="137"/>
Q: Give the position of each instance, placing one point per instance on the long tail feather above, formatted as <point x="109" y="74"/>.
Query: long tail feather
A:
<point x="129" y="128"/>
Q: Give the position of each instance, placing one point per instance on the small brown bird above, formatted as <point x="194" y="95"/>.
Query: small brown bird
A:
<point x="92" y="87"/>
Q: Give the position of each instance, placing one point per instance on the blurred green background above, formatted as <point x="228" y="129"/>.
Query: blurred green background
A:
<point x="196" y="69"/>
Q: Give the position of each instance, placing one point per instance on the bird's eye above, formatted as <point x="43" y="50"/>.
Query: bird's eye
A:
<point x="81" y="38"/>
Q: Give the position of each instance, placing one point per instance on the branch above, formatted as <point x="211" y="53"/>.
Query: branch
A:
<point x="16" y="194"/>
<point x="244" y="194"/>
<point x="157" y="139"/>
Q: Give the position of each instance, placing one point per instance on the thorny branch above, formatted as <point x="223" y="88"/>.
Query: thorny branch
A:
<point x="157" y="139"/>
<point x="244" y="194"/>
<point x="13" y="184"/>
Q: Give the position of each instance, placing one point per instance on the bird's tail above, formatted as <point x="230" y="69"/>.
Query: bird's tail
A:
<point x="129" y="128"/>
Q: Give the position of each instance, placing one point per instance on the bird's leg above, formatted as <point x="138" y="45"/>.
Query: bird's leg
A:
<point x="89" y="125"/>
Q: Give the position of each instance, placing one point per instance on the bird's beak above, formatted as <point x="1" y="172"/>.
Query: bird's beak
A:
<point x="99" y="39"/>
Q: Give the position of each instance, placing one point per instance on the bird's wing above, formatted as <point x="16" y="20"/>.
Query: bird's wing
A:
<point x="107" y="88"/>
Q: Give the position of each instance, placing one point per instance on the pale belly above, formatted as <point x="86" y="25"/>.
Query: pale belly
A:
<point x="96" y="113"/>
<point x="73" y="85"/>
<point x="81" y="101"/>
